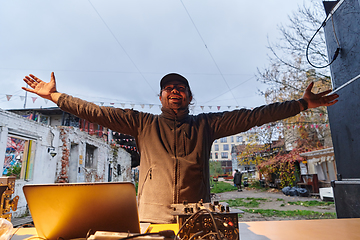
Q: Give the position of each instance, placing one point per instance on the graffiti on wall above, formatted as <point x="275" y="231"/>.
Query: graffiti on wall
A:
<point x="13" y="156"/>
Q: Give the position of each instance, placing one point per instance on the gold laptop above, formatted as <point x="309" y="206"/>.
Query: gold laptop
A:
<point x="72" y="210"/>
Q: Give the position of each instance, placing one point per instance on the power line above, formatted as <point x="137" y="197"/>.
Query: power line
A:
<point x="118" y="42"/>
<point x="230" y="91"/>
<point x="208" y="50"/>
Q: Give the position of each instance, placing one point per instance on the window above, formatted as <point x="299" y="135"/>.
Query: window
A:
<point x="232" y="138"/>
<point x="216" y="156"/>
<point x="90" y="159"/>
<point x="72" y="120"/>
<point x="45" y="119"/>
<point x="224" y="155"/>
<point x="216" y="147"/>
<point x="210" y="155"/>
<point x="223" y="140"/>
<point x="215" y="141"/>
<point x="226" y="147"/>
<point x="239" y="138"/>
<point x="19" y="158"/>
<point x="118" y="168"/>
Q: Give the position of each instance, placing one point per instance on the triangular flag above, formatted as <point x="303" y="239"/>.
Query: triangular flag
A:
<point x="218" y="107"/>
<point x="210" y="107"/>
<point x="122" y="104"/>
<point x="229" y="107"/>
<point x="151" y="105"/>
<point x="142" y="105"/>
<point x="8" y="97"/>
<point x="132" y="105"/>
<point x="46" y="100"/>
<point x="112" y="103"/>
<point x="237" y="107"/>
<point x="101" y="103"/>
<point x="22" y="98"/>
<point x="34" y="99"/>
<point x="202" y="107"/>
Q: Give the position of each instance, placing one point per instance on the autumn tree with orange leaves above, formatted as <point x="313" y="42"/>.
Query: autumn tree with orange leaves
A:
<point x="287" y="77"/>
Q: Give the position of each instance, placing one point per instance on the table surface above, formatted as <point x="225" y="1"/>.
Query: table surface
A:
<point x="280" y="230"/>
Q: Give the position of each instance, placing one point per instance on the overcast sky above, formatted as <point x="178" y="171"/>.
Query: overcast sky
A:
<point x="114" y="52"/>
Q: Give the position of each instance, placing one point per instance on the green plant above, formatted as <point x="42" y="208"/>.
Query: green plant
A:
<point x="291" y="213"/>
<point x="215" y="168"/>
<point x="255" y="185"/>
<point x="258" y="199"/>
<point x="247" y="202"/>
<point x="219" y="187"/>
<point x="311" y="203"/>
<point x="14" y="170"/>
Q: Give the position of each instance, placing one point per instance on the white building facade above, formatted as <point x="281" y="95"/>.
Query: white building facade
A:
<point x="38" y="153"/>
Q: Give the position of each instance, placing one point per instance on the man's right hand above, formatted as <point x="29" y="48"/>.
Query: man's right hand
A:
<point x="41" y="88"/>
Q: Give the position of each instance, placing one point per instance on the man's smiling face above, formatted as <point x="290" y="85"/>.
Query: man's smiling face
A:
<point x="175" y="95"/>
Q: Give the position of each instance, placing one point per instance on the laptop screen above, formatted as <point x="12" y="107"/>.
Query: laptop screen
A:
<point x="71" y="210"/>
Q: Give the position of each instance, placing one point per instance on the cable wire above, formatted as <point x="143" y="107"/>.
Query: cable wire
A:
<point x="337" y="51"/>
<point x="195" y="216"/>
<point x="118" y="42"/>
<point x="202" y="39"/>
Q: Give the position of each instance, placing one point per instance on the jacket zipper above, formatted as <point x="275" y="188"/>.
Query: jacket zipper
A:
<point x="148" y="175"/>
<point x="176" y="197"/>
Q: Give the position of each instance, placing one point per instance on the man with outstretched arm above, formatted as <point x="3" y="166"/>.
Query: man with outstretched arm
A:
<point x="175" y="146"/>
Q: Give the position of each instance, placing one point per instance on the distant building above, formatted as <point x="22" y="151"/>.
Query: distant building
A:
<point x="320" y="163"/>
<point x="221" y="149"/>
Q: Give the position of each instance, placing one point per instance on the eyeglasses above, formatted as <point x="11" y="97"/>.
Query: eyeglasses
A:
<point x="180" y="88"/>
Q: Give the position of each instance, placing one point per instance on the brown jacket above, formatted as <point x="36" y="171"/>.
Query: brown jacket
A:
<point x="174" y="149"/>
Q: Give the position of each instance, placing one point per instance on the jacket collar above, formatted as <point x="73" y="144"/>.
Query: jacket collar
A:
<point x="170" y="114"/>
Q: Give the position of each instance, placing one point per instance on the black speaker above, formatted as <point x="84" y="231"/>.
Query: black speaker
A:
<point x="342" y="30"/>
<point x="347" y="200"/>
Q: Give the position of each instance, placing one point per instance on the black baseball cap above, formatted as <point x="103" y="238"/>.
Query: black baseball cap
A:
<point x="173" y="77"/>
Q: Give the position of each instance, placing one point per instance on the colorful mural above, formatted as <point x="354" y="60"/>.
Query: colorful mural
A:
<point x="13" y="155"/>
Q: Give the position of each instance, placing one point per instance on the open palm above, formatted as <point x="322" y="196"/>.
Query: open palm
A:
<point x="39" y="87"/>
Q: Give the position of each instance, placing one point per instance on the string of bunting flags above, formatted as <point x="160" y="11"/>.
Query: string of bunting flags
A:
<point x="22" y="98"/>
<point x="124" y="146"/>
<point x="131" y="105"/>
<point x="150" y="106"/>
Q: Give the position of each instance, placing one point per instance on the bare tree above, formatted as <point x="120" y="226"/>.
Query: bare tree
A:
<point x="289" y="71"/>
<point x="289" y="67"/>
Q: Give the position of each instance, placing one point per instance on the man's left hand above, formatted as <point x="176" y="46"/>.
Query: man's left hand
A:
<point x="318" y="99"/>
